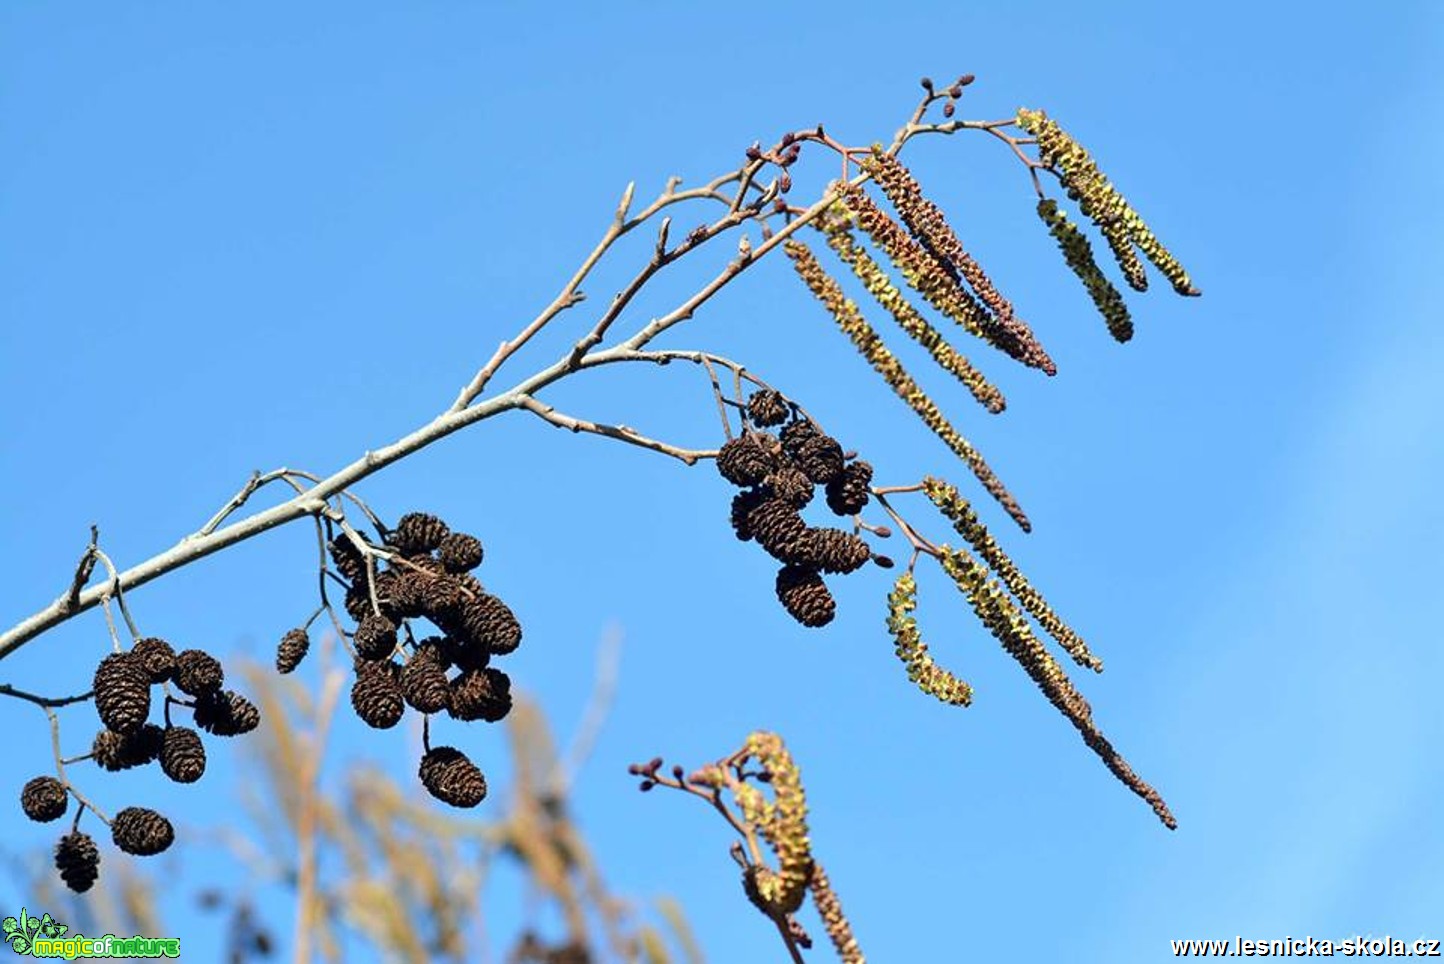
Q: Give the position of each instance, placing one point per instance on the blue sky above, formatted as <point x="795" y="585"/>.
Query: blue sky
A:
<point x="241" y="239"/>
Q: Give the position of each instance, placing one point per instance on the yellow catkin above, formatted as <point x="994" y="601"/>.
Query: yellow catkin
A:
<point x="783" y="822"/>
<point x="839" y="931"/>
<point x="870" y="346"/>
<point x="880" y="286"/>
<point x="908" y="643"/>
<point x="1079" y="255"/>
<point x="928" y="225"/>
<point x="1101" y="203"/>
<point x="965" y="520"/>
<point x="1010" y="627"/>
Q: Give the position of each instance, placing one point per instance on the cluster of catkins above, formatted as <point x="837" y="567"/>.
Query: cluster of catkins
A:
<point x="428" y="577"/>
<point x="778" y="474"/>
<point x="122" y="689"/>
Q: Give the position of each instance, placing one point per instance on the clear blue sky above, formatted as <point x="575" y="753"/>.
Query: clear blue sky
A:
<point x="235" y="238"/>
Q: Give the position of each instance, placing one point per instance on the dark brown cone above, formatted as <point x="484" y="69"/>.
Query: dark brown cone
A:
<point x="358" y="601"/>
<point x="424" y="685"/>
<point x="182" y="754"/>
<point x="434" y="649"/>
<point x="44" y="799"/>
<point x="376" y="695"/>
<point x="418" y="532"/>
<point x="481" y="694"/>
<point x="141" y="831"/>
<point x="226" y="713"/>
<point x="375" y="637"/>
<point x="745" y="460"/>
<point x="777" y="527"/>
<point x="349" y="561"/>
<point x="795" y="433"/>
<point x="849" y="492"/>
<point x="463" y="652"/>
<point x="442" y="596"/>
<point x="78" y="860"/>
<point x="821" y="458"/>
<point x="114" y="752"/>
<point x="156" y="656"/>
<point x="122" y="692"/>
<point x="767" y="408"/>
<point x="406" y="593"/>
<point x="292" y="649"/>
<point x="197" y="673"/>
<point x="490" y="622"/>
<point x="791" y="485"/>
<point x="388" y="588"/>
<point x="742" y="505"/>
<point x="460" y="552"/>
<point x="833" y="550"/>
<point x="804" y="595"/>
<point x="451" y="777"/>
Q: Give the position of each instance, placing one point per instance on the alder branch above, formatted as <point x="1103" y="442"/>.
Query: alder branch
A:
<point x="622" y="433"/>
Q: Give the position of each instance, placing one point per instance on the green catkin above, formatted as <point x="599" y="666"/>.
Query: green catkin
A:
<point x="997" y="611"/>
<point x="880" y="286"/>
<point x="965" y="520"/>
<point x="1120" y="224"/>
<point x="870" y="346"/>
<point x="929" y="677"/>
<point x="1079" y="255"/>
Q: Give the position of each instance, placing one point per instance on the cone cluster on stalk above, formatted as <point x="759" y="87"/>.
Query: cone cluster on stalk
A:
<point x="422" y="570"/>
<point x="122" y="691"/>
<point x="779" y="474"/>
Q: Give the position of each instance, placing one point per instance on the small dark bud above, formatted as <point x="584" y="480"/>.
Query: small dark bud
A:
<point x="882" y="532"/>
<point x="635" y="769"/>
<point x="653" y="764"/>
<point x="779" y="205"/>
<point x="645" y="785"/>
<point x="883" y="562"/>
<point x="948" y="109"/>
<point x="764" y="776"/>
<point x="677" y="772"/>
<point x="965" y="80"/>
<point x="784" y="183"/>
<point x="754" y="152"/>
<point x="955" y="91"/>
<point x="927" y="83"/>
<point x="787" y="138"/>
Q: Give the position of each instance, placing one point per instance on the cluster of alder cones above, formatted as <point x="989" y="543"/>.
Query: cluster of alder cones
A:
<point x="778" y="474"/>
<point x="122" y="693"/>
<point x="427" y="575"/>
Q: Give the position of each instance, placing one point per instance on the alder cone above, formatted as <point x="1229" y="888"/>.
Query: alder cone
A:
<point x="804" y="595"/>
<point x="742" y="505"/>
<point x="833" y="550"/>
<point x="745" y="460"/>
<point x="182" y="754"/>
<point x="406" y="593"/>
<point x="442" y="596"/>
<point x="198" y="673"/>
<point x="122" y="692"/>
<point x="795" y="433"/>
<point x="141" y="831"/>
<point x="460" y="552"/>
<point x="156" y="656"/>
<point x="767" y="408"/>
<point x="489" y="622"/>
<point x="376" y="695"/>
<point x="226" y="713"/>
<point x="291" y="650"/>
<point x="480" y="694"/>
<point x="451" y="777"/>
<point x="849" y="492"/>
<point x="464" y="652"/>
<point x="44" y="799"/>
<point x="778" y="528"/>
<point x="790" y="484"/>
<point x="78" y="860"/>
<point x="114" y="752"/>
<point x="424" y="685"/>
<point x="820" y="457"/>
<point x="418" y="532"/>
<point x="348" y="560"/>
<point x="375" y="637"/>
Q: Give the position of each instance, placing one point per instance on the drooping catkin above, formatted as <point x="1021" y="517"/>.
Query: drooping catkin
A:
<point x="922" y="670"/>
<point x="783" y="822"/>
<point x="867" y="342"/>
<point x="1103" y="205"/>
<point x="1010" y="627"/>
<point x="965" y="520"/>
<point x="881" y="287"/>
<point x="927" y="223"/>
<point x="829" y="908"/>
<point x="1079" y="255"/>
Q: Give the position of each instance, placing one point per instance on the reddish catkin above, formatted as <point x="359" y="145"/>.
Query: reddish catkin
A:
<point x="870" y="346"/>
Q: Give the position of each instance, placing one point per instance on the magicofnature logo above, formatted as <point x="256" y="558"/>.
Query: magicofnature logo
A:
<point x="46" y="937"/>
